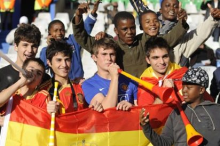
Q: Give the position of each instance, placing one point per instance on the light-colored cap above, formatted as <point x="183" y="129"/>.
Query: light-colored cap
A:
<point x="23" y="19"/>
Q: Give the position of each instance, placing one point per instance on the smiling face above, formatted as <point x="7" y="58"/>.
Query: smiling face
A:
<point x="126" y="30"/>
<point x="169" y="9"/>
<point x="60" y="65"/>
<point x="150" y="24"/>
<point x="159" y="61"/>
<point x="57" y="31"/>
<point x="104" y="58"/>
<point x="25" y="50"/>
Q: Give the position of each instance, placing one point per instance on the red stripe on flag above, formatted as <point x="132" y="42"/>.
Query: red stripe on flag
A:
<point x="89" y="121"/>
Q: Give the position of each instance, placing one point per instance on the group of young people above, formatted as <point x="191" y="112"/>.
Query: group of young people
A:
<point x="108" y="88"/>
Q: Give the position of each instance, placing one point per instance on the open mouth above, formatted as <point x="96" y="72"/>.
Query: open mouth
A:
<point x="29" y="56"/>
<point x="171" y="13"/>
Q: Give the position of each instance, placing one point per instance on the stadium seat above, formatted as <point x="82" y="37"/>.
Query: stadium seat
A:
<point x="209" y="70"/>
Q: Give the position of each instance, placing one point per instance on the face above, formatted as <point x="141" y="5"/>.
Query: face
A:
<point x="192" y="92"/>
<point x="104" y="58"/>
<point x="126" y="30"/>
<point x="60" y="65"/>
<point x="37" y="71"/>
<point x="169" y="9"/>
<point x="159" y="60"/>
<point x="25" y="50"/>
<point x="150" y="24"/>
<point x="57" y="31"/>
<point x="115" y="5"/>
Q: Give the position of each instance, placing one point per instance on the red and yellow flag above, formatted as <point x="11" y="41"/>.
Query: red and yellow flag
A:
<point x="29" y="126"/>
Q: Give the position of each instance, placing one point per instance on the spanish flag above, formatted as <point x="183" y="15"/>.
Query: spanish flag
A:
<point x="27" y="125"/>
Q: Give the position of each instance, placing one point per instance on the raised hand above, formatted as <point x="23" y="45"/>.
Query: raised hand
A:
<point x="181" y="15"/>
<point x="143" y="119"/>
<point x="82" y="8"/>
<point x="214" y="12"/>
<point x="100" y="35"/>
<point x="96" y="6"/>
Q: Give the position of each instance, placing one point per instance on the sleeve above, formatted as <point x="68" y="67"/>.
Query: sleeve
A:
<point x="89" y="91"/>
<point x="89" y="23"/>
<point x="135" y="90"/>
<point x="144" y="97"/>
<point x="82" y="37"/>
<point x="139" y="6"/>
<point x="165" y="139"/>
<point x="176" y="33"/>
<point x="204" y="6"/>
<point x="192" y="40"/>
<point x="214" y="86"/>
<point x="43" y="56"/>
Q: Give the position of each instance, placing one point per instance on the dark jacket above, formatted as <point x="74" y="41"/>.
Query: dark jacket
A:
<point x="205" y="118"/>
<point x="208" y="51"/>
<point x="215" y="84"/>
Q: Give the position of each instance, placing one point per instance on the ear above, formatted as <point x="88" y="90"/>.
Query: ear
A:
<point x="141" y="27"/>
<point x="148" y="60"/>
<point x="116" y="31"/>
<point x="202" y="90"/>
<point x="49" y="63"/>
<point x="160" y="11"/>
<point x="15" y="47"/>
<point x="94" y="58"/>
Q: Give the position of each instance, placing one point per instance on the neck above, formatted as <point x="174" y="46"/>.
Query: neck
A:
<point x="197" y="102"/>
<point x="26" y="91"/>
<point x="104" y="74"/>
<point x="61" y="80"/>
<point x="19" y="63"/>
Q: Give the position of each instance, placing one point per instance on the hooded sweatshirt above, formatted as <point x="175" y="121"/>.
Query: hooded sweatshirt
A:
<point x="205" y="118"/>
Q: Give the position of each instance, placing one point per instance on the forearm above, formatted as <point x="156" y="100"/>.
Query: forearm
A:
<point x="192" y="40"/>
<point x="81" y="36"/>
<point x="154" y="138"/>
<point x="7" y="93"/>
<point x="111" y="99"/>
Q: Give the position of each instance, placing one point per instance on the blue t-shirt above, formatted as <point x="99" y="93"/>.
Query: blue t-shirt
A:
<point x="127" y="89"/>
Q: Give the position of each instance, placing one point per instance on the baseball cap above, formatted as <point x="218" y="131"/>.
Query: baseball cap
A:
<point x="23" y="19"/>
<point x="196" y="76"/>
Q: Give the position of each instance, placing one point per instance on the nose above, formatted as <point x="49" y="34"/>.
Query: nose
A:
<point x="183" y="88"/>
<point x="29" y="49"/>
<point x="64" y="63"/>
<point x="152" y="23"/>
<point x="161" y="60"/>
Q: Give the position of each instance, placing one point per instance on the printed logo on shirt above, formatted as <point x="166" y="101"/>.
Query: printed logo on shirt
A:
<point x="101" y="89"/>
<point x="123" y="87"/>
<point x="67" y="93"/>
<point x="80" y="98"/>
<point x="123" y="97"/>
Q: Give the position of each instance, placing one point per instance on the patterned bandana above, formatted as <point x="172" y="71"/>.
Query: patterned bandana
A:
<point x="196" y="76"/>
